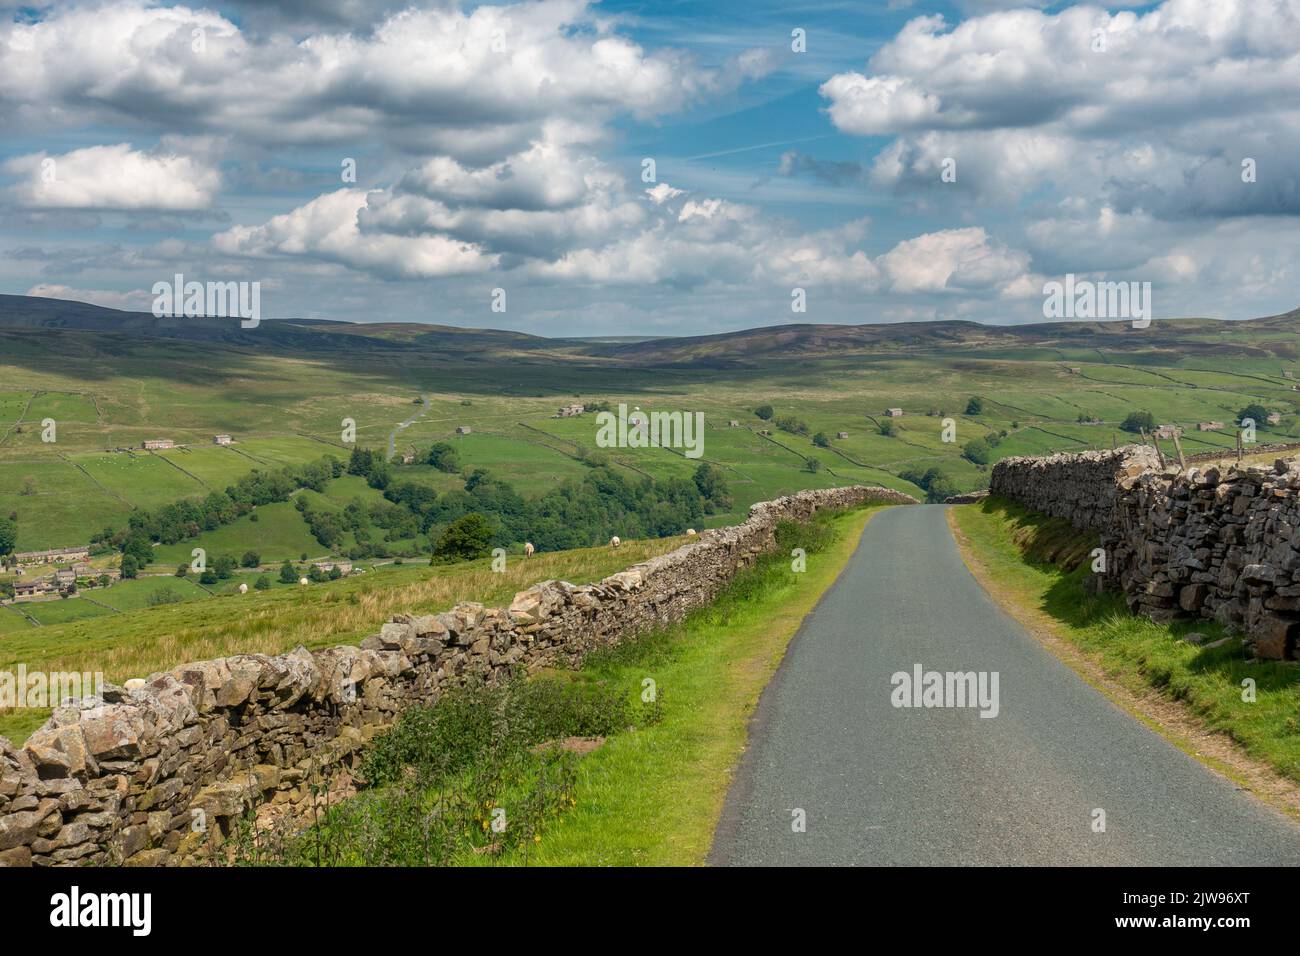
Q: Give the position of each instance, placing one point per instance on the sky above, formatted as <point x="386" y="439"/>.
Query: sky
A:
<point x="625" y="168"/>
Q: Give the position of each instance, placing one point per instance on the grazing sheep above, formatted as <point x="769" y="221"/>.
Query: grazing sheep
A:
<point x="690" y="532"/>
<point x="302" y="580"/>
<point x="528" y="549"/>
<point x="614" y="542"/>
<point x="243" y="589"/>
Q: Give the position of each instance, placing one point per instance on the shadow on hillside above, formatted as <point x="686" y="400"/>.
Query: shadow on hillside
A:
<point x="241" y="362"/>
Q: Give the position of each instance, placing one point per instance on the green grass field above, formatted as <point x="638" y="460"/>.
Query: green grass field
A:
<point x="12" y="619"/>
<point x="285" y="408"/>
<point x="144" y="592"/>
<point x="64" y="611"/>
<point x="278" y="533"/>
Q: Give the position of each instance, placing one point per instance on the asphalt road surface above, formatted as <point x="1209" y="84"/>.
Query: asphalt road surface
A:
<point x="877" y="784"/>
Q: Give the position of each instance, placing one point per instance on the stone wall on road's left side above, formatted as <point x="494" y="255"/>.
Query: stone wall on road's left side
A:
<point x="158" y="769"/>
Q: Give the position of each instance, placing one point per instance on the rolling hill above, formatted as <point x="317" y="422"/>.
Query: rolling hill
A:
<point x="1255" y="338"/>
<point x="112" y="379"/>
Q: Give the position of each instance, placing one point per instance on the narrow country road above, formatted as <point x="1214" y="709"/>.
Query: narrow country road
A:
<point x="402" y="426"/>
<point x="881" y="785"/>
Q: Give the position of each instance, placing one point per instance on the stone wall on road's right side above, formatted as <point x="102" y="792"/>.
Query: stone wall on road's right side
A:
<point x="1209" y="542"/>
<point x="1081" y="488"/>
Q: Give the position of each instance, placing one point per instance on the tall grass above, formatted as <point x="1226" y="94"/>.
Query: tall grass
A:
<point x="462" y="779"/>
<point x="138" y="643"/>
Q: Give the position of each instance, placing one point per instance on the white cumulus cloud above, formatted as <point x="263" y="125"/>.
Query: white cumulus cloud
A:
<point x="112" y="177"/>
<point x="326" y="229"/>
<point x="1153" y="110"/>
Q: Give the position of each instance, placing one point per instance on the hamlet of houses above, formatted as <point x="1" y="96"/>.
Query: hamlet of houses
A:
<point x="53" y="554"/>
<point x="63" y="579"/>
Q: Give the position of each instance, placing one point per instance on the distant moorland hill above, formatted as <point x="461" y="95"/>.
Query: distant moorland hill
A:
<point x="1256" y="338"/>
<point x="784" y="408"/>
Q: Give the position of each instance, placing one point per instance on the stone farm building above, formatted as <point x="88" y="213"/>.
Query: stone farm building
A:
<point x="1274" y="417"/>
<point x="157" y="444"/>
<point x="733" y="424"/>
<point x="54" y="554"/>
<point x="32" y="590"/>
<point x="345" y="567"/>
<point x="569" y="411"/>
<point x="463" y="430"/>
<point x="222" y="440"/>
<point x="841" y="434"/>
<point x="1209" y="426"/>
<point x="893" y="413"/>
<point x="1167" y="431"/>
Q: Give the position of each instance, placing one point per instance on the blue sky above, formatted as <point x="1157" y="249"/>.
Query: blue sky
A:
<point x="502" y="147"/>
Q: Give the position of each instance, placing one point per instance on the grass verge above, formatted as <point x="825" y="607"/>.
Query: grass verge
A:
<point x="653" y="796"/>
<point x="1036" y="568"/>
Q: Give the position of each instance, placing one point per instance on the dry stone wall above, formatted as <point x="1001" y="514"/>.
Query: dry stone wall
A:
<point x="1082" y="488"/>
<point x="1216" y="543"/>
<point x="158" y="768"/>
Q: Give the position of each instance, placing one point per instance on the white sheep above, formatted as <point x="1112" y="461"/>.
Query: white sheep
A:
<point x="690" y="532"/>
<point x="243" y="589"/>
<point x="614" y="542"/>
<point x="528" y="549"/>
<point x="302" y="580"/>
